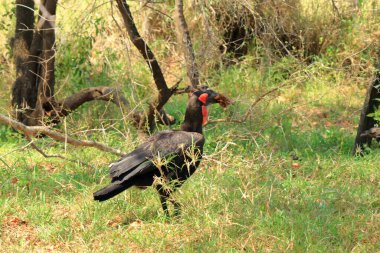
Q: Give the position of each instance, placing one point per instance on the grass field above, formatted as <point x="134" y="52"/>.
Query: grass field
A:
<point x="248" y="194"/>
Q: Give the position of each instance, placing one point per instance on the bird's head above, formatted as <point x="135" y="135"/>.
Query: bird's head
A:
<point x="196" y="112"/>
<point x="207" y="96"/>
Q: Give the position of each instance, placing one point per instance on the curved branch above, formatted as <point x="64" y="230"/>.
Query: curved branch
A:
<point x="164" y="92"/>
<point x="141" y="45"/>
<point x="104" y="93"/>
<point x="34" y="146"/>
<point x="31" y="131"/>
<point x="109" y="94"/>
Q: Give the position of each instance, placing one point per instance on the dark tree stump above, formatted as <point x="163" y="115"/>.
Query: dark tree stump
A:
<point x="371" y="103"/>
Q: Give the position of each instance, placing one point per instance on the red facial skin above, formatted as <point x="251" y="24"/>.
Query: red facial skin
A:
<point x="204" y="113"/>
<point x="203" y="99"/>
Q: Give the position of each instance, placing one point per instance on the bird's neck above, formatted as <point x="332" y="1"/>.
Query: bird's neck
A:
<point x="193" y="117"/>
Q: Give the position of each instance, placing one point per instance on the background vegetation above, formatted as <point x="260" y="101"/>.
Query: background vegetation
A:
<point x="249" y="194"/>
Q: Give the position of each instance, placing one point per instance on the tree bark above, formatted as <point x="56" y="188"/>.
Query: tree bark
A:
<point x="47" y="80"/>
<point x="36" y="80"/>
<point x="24" y="33"/>
<point x="184" y="39"/>
<point x="21" y="45"/>
<point x="371" y="103"/>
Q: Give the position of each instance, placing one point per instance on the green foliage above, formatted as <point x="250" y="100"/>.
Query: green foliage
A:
<point x="7" y="135"/>
<point x="6" y="16"/>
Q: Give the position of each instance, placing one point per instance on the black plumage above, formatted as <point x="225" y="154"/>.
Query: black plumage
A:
<point x="166" y="159"/>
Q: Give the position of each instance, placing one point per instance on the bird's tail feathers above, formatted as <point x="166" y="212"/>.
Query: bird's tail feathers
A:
<point x="110" y="191"/>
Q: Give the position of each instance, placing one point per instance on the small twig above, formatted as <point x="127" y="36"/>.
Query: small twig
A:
<point x="17" y="149"/>
<point x="269" y="199"/>
<point x="174" y="88"/>
<point x="160" y="12"/>
<point x="1" y="159"/>
<point x="257" y="100"/>
<point x="114" y="19"/>
<point x="34" y="146"/>
<point x="336" y="8"/>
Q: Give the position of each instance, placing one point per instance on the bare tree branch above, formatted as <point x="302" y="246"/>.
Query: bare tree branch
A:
<point x="183" y="36"/>
<point x="141" y="45"/>
<point x="104" y="93"/>
<point x="66" y="106"/>
<point x="335" y="8"/>
<point x="163" y="90"/>
<point x="31" y="131"/>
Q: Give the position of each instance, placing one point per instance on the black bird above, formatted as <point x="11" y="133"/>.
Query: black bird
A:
<point x="168" y="158"/>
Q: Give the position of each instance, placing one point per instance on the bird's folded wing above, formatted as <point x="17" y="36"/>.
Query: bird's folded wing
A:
<point x="128" y="163"/>
<point x="161" y="146"/>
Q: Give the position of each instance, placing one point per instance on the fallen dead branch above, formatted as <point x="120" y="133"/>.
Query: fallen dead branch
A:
<point x="31" y="131"/>
<point x="373" y="132"/>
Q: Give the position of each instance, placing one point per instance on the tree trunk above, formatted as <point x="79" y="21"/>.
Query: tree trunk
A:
<point x="33" y="90"/>
<point x="21" y="45"/>
<point x="371" y="103"/>
<point x="45" y="40"/>
<point x="24" y="33"/>
<point x="34" y="85"/>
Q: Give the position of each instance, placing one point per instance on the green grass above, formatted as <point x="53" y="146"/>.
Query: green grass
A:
<point x="245" y="196"/>
<point x="249" y="201"/>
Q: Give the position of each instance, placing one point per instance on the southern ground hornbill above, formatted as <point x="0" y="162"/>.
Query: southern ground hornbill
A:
<point x="168" y="158"/>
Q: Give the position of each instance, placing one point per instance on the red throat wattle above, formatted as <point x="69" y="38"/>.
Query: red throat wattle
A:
<point x="204" y="113"/>
<point x="203" y="99"/>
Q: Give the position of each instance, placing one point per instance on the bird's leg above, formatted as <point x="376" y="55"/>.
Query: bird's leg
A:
<point x="164" y="205"/>
<point x="163" y="198"/>
<point x="177" y="207"/>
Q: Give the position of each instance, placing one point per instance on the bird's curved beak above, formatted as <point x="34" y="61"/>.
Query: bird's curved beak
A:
<point x="222" y="100"/>
<point x="215" y="98"/>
